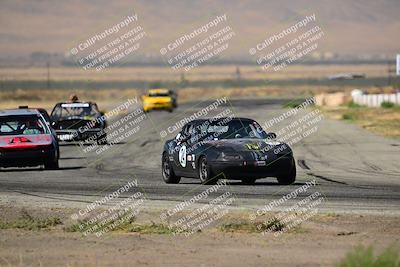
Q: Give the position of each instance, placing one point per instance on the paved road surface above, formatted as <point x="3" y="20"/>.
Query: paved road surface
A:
<point x="354" y="170"/>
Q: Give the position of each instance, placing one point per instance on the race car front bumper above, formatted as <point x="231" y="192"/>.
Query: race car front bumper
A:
<point x="27" y="157"/>
<point x="75" y="135"/>
<point x="160" y="106"/>
<point x="253" y="169"/>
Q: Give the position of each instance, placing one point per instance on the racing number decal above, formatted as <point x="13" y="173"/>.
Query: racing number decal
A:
<point x="182" y="156"/>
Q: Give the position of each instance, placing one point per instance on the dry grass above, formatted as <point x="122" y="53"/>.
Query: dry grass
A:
<point x="271" y="225"/>
<point x="202" y="73"/>
<point x="28" y="222"/>
<point x="47" y="98"/>
<point x="382" y="121"/>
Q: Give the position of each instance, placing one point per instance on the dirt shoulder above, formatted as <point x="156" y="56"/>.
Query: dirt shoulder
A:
<point x="320" y="241"/>
<point x="381" y="121"/>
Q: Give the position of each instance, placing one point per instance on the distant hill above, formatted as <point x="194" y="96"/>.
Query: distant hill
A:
<point x="350" y="26"/>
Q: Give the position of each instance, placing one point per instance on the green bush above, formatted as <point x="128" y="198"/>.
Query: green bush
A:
<point x="271" y="225"/>
<point x="351" y="104"/>
<point x="386" y="104"/>
<point x="293" y="104"/>
<point x="348" y="116"/>
<point x="364" y="257"/>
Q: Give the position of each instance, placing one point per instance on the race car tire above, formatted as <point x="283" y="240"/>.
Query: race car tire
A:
<point x="205" y="173"/>
<point x="289" y="178"/>
<point x="248" y="181"/>
<point x="168" y="173"/>
<point x="102" y="139"/>
<point x="51" y="165"/>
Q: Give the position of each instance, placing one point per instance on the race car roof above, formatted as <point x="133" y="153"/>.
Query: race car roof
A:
<point x="11" y="112"/>
<point x="27" y="107"/>
<point x="85" y="103"/>
<point x="75" y="105"/>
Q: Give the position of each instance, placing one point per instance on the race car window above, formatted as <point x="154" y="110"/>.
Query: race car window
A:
<point x="187" y="131"/>
<point x="217" y="129"/>
<point x="234" y="129"/>
<point x="159" y="94"/>
<point x="22" y="125"/>
<point x="56" y="113"/>
<point x="191" y="130"/>
<point x="64" y="111"/>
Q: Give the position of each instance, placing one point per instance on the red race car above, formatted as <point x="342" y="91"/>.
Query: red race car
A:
<point x="27" y="140"/>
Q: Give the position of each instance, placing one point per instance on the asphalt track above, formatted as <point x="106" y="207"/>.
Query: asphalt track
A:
<point x="355" y="170"/>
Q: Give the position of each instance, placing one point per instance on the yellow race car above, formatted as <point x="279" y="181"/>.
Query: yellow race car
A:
<point x="159" y="99"/>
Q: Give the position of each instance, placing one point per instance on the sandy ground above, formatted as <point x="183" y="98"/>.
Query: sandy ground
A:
<point x="320" y="241"/>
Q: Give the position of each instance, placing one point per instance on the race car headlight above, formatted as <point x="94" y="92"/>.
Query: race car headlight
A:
<point x="226" y="156"/>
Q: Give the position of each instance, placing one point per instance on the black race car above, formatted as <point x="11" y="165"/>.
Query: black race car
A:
<point x="229" y="148"/>
<point x="41" y="111"/>
<point x="26" y="140"/>
<point x="79" y="121"/>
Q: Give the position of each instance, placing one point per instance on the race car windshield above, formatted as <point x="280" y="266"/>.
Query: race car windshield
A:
<point x="234" y="129"/>
<point x="22" y="125"/>
<point x="66" y="111"/>
<point x="158" y="94"/>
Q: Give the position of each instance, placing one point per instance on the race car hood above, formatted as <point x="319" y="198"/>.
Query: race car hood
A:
<point x="10" y="142"/>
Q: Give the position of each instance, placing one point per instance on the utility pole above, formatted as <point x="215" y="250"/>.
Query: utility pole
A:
<point x="389" y="74"/>
<point x="238" y="74"/>
<point x="182" y="77"/>
<point x="48" y="74"/>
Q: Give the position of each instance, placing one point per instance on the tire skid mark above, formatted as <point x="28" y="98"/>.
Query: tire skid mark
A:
<point x="371" y="168"/>
<point x="149" y="141"/>
<point x="48" y="197"/>
<point x="326" y="178"/>
<point x="302" y="164"/>
<point x="368" y="187"/>
<point x="355" y="152"/>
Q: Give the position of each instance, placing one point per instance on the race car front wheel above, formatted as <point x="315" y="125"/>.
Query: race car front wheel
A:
<point x="102" y="139"/>
<point x="205" y="174"/>
<point x="288" y="178"/>
<point x="168" y="173"/>
<point x="51" y="165"/>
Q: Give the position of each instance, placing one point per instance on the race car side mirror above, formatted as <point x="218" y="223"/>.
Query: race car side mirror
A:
<point x="271" y="136"/>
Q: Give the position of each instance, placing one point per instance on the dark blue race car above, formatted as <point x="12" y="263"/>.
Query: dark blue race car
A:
<point x="228" y="148"/>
